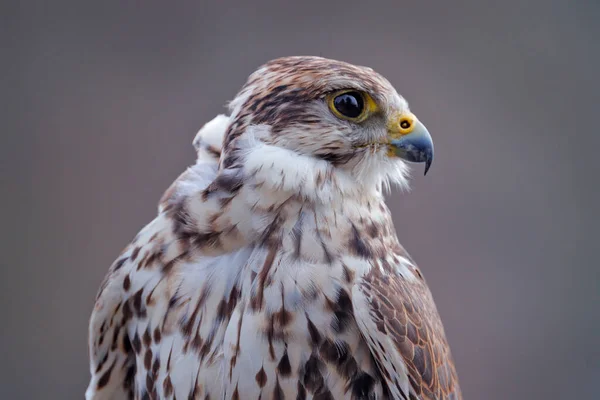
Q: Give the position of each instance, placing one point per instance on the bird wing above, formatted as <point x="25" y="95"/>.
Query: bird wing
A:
<point x="399" y="321"/>
<point x="128" y="294"/>
<point x="112" y="364"/>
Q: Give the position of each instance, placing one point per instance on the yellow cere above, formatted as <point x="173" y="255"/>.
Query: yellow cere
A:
<point x="401" y="124"/>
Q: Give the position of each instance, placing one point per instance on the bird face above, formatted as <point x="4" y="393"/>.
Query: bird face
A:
<point x="346" y="115"/>
<point x="393" y="129"/>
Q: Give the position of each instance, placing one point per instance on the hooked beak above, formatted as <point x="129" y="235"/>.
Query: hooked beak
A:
<point x="410" y="140"/>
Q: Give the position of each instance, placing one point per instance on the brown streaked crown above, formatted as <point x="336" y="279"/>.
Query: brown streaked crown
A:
<point x="277" y="93"/>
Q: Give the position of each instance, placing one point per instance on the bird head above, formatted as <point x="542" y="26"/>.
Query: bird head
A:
<point x="311" y="115"/>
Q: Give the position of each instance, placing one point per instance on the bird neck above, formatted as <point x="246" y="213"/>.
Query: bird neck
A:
<point x="306" y="210"/>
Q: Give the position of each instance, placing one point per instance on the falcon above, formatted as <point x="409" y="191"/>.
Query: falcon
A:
<point x="273" y="269"/>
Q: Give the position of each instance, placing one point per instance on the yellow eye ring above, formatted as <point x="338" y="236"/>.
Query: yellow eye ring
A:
<point x="351" y="105"/>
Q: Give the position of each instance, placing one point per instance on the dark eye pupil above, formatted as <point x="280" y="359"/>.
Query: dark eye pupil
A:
<point x="349" y="104"/>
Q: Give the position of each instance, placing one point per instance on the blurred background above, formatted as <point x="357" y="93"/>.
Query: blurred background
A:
<point x="100" y="103"/>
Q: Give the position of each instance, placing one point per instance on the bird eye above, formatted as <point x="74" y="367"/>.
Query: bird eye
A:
<point x="349" y="105"/>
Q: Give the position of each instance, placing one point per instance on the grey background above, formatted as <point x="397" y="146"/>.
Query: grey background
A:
<point x="100" y="103"/>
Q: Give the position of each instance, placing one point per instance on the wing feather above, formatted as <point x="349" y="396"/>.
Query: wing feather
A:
<point x="400" y="322"/>
<point x="112" y="364"/>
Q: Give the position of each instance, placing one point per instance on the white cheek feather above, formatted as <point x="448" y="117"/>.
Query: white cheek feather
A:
<point x="290" y="173"/>
<point x="282" y="170"/>
<point x="384" y="171"/>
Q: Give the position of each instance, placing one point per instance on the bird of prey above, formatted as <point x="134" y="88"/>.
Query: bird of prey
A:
<point x="273" y="269"/>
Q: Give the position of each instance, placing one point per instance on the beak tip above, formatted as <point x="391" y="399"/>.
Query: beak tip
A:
<point x="428" y="164"/>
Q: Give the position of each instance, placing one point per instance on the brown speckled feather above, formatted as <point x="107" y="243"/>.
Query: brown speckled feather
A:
<point x="403" y="310"/>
